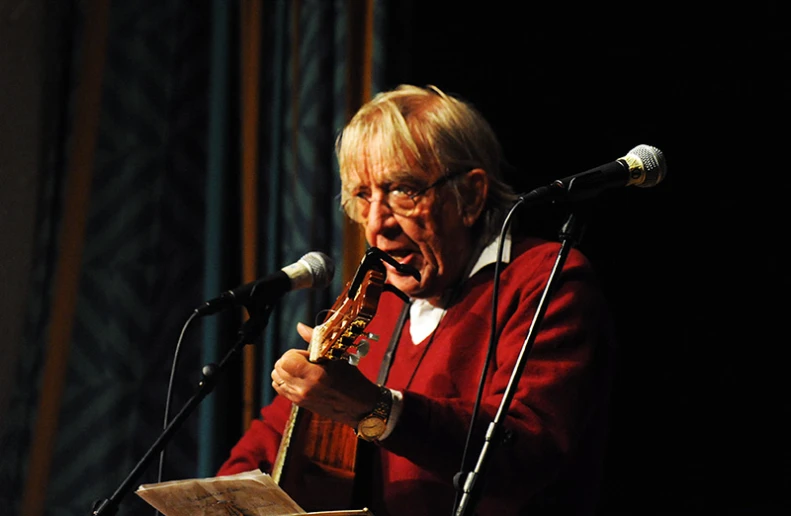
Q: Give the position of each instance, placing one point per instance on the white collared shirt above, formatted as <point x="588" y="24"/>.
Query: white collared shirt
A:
<point x="425" y="317"/>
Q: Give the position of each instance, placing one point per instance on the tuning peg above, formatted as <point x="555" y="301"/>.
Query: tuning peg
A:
<point x="353" y="359"/>
<point x="362" y="350"/>
<point x="363" y="347"/>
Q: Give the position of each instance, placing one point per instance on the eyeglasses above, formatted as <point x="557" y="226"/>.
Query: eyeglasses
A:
<point x="402" y="199"/>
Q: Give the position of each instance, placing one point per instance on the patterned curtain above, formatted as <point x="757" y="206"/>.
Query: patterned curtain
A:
<point x="304" y="66"/>
<point x="198" y="155"/>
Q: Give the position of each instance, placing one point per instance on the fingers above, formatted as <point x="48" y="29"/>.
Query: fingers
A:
<point x="291" y="364"/>
<point x="277" y="380"/>
<point x="333" y="389"/>
<point x="279" y="383"/>
<point x="292" y="372"/>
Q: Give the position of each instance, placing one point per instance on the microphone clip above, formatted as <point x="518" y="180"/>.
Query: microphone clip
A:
<point x="372" y="259"/>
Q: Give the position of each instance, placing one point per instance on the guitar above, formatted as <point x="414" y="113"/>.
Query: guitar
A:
<point x="316" y="460"/>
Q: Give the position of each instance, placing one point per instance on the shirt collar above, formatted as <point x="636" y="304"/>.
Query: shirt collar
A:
<point x="489" y="254"/>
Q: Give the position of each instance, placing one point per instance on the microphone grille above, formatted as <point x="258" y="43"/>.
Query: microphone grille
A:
<point x="653" y="164"/>
<point x="321" y="266"/>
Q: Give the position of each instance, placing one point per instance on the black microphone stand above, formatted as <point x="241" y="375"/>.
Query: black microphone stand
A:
<point x="249" y="331"/>
<point x="570" y="234"/>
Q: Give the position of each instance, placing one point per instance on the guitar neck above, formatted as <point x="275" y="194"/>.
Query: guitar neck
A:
<point x="285" y="442"/>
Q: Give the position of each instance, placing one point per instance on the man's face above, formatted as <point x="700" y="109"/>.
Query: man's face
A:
<point x="433" y="238"/>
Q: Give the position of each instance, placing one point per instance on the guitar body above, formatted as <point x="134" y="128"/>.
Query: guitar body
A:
<point x="322" y="455"/>
<point x="317" y="457"/>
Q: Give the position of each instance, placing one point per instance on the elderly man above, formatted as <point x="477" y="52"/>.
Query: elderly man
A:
<point x="421" y="172"/>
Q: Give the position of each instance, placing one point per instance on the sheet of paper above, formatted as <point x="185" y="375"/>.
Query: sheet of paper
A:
<point x="247" y="494"/>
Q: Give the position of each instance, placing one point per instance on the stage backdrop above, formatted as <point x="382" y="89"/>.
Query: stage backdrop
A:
<point x="197" y="154"/>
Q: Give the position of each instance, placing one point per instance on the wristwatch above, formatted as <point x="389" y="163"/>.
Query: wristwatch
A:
<point x="373" y="425"/>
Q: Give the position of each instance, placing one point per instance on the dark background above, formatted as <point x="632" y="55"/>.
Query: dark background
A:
<point x="694" y="268"/>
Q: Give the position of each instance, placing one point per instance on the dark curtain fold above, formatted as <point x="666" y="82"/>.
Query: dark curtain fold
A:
<point x="310" y="84"/>
<point x="157" y="241"/>
<point x="139" y="274"/>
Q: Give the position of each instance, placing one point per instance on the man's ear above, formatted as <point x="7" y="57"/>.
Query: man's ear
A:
<point x="475" y="191"/>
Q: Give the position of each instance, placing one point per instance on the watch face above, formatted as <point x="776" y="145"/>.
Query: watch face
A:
<point x="371" y="427"/>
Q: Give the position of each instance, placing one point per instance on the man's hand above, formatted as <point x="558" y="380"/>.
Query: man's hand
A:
<point x="335" y="389"/>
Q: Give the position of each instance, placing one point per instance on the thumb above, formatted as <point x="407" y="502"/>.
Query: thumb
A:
<point x="305" y="331"/>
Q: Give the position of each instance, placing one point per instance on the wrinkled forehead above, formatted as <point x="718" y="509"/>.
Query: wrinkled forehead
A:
<point x="373" y="155"/>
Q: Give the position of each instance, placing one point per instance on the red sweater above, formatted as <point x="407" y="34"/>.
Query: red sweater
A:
<point x="557" y="420"/>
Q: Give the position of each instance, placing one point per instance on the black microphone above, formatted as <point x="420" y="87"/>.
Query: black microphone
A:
<point x="644" y="166"/>
<point x="314" y="270"/>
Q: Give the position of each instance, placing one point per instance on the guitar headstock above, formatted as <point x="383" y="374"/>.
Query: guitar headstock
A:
<point x="347" y="318"/>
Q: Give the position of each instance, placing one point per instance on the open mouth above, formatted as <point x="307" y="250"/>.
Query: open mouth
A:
<point x="403" y="256"/>
<point x="400" y="254"/>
